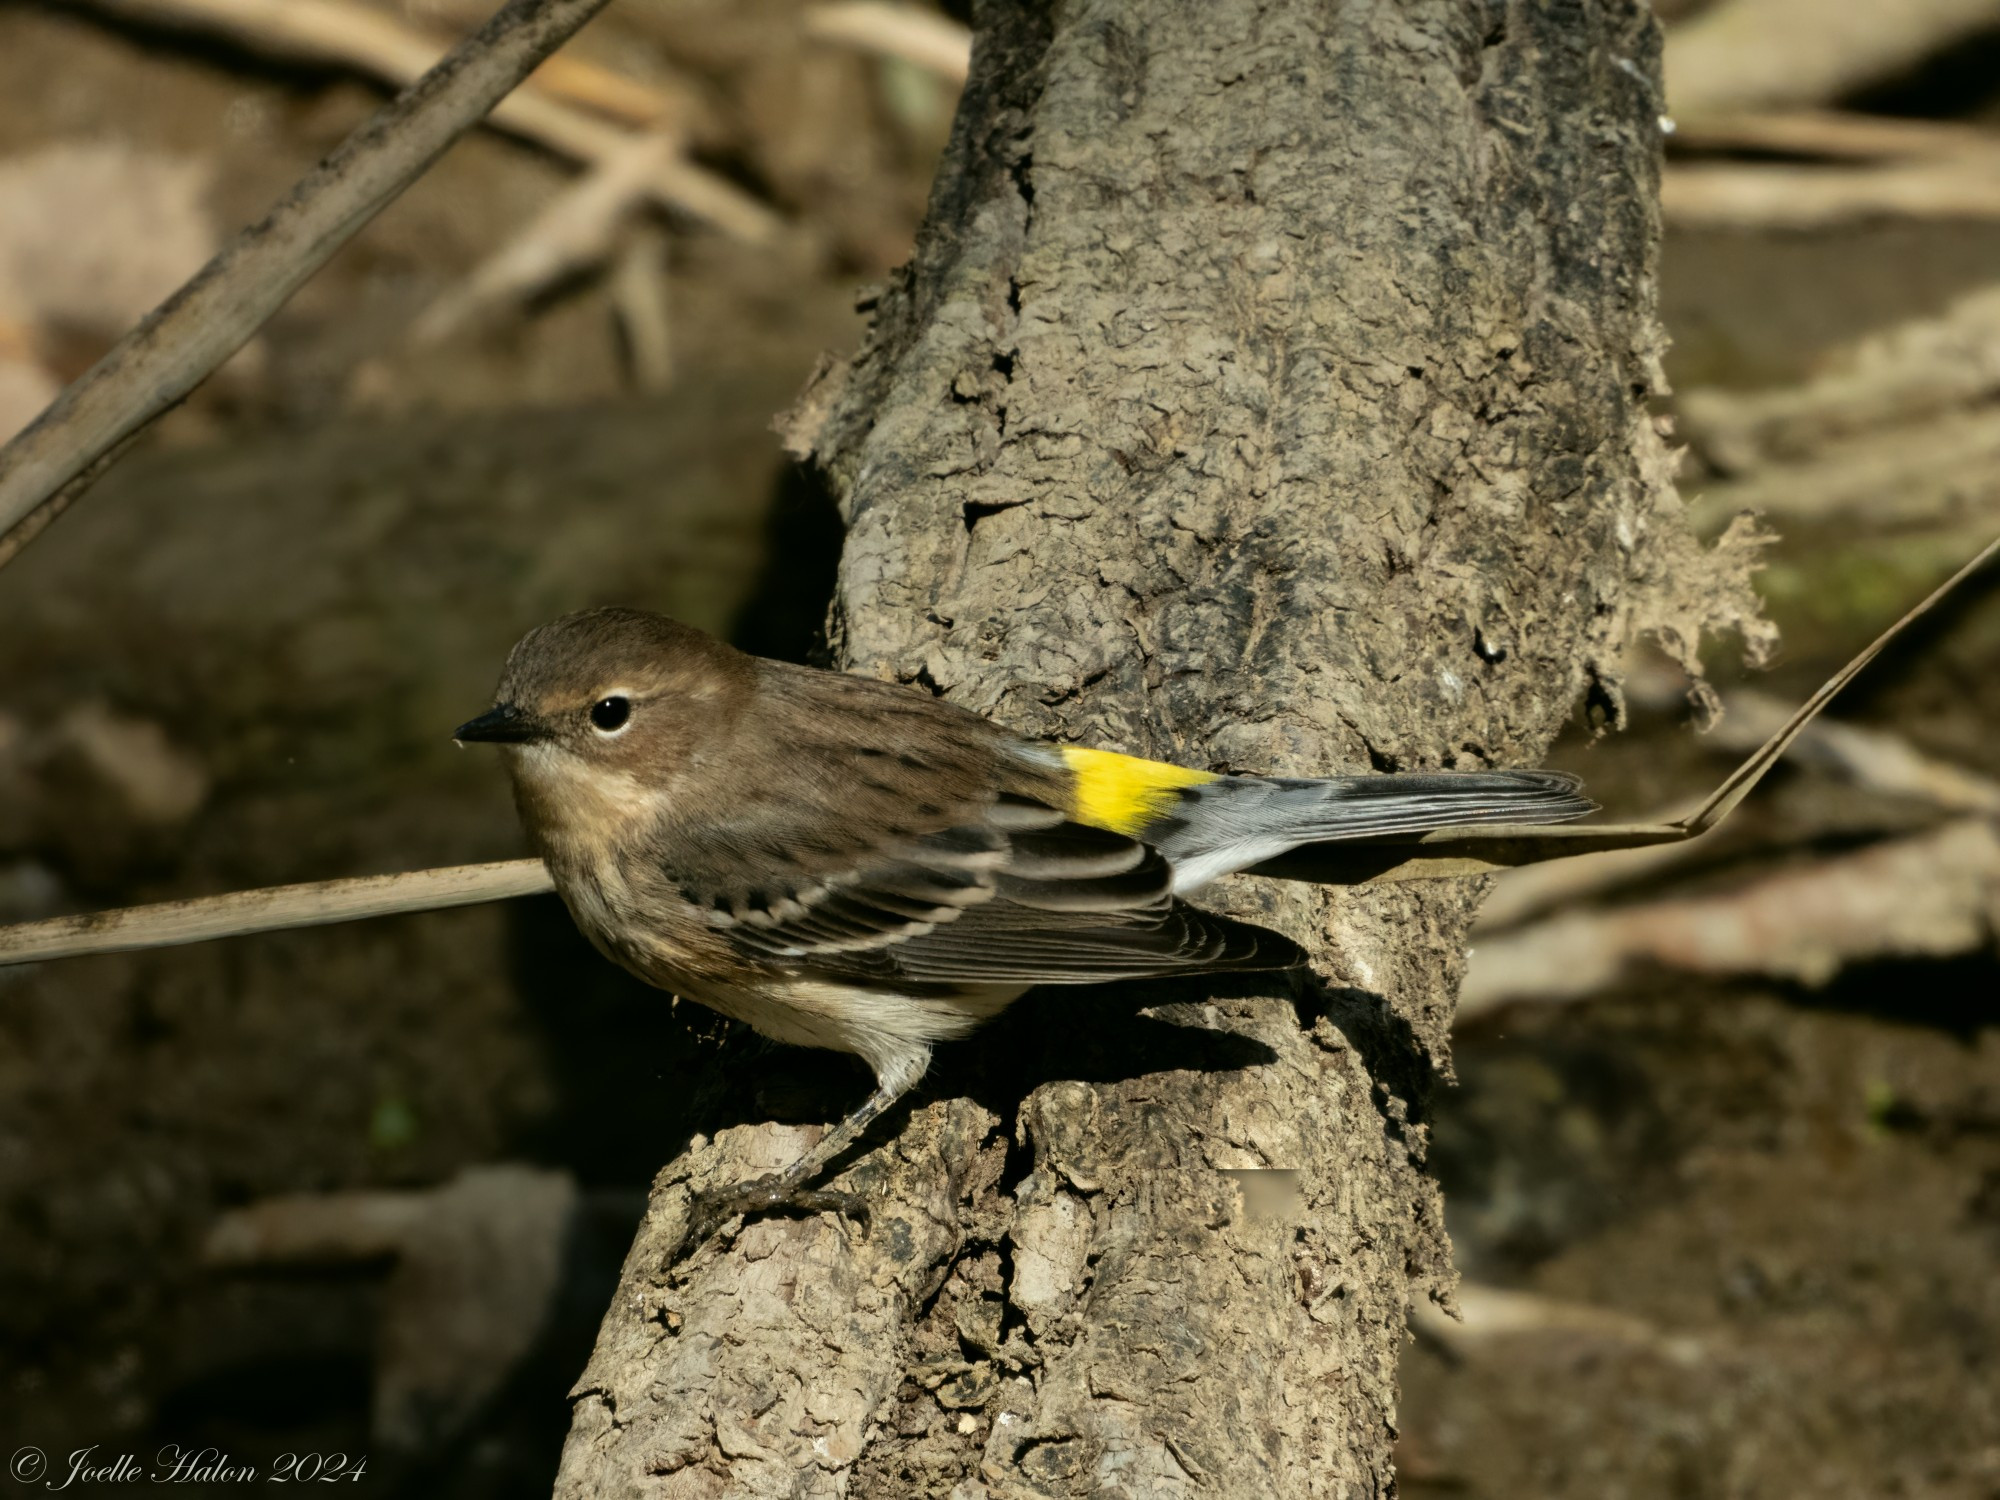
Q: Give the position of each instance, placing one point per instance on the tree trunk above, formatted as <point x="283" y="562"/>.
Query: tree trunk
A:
<point x="1269" y="392"/>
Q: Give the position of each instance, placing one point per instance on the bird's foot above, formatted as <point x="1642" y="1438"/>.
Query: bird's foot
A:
<point x="774" y="1192"/>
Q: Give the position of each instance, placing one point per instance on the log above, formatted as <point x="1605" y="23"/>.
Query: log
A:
<point x="1269" y="391"/>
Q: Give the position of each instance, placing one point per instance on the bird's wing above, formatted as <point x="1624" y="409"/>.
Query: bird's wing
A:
<point x="1021" y="895"/>
<point x="894" y="888"/>
<point x="1003" y="943"/>
<point x="894" y="836"/>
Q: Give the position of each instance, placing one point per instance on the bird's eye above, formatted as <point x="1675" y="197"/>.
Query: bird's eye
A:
<point x="610" y="714"/>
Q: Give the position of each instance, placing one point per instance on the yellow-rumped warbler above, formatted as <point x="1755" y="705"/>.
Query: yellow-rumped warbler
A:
<point x="851" y="864"/>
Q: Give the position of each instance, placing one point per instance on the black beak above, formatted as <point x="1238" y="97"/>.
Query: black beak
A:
<point x="502" y="724"/>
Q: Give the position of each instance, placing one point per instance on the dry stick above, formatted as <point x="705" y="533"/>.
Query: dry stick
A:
<point x="186" y="337"/>
<point x="1771" y="54"/>
<point x="338" y="32"/>
<point x="1448" y="852"/>
<point x="1833" y="135"/>
<point x="924" y="38"/>
<point x="271" y="909"/>
<point x="639" y="294"/>
<point x="1797" y="198"/>
<point x="1927" y="896"/>
<point x="1926" y="369"/>
<point x="372" y="41"/>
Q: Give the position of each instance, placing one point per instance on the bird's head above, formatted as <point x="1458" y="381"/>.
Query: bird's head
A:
<point x="605" y="707"/>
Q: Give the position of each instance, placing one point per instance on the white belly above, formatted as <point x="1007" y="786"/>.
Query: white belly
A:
<point x="892" y="1032"/>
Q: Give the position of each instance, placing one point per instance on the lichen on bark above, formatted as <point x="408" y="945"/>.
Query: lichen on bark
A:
<point x="1270" y="390"/>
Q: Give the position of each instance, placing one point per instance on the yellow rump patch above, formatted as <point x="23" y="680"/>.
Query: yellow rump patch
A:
<point x="1122" y="792"/>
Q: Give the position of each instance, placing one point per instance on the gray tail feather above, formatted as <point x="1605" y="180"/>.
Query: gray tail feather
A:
<point x="1239" y="821"/>
<point x="1350" y="807"/>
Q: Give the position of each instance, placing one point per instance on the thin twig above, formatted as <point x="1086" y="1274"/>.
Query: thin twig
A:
<point x="1739" y="782"/>
<point x="271" y="909"/>
<point x="186" y="337"/>
<point x="1874" y="759"/>
<point x="1452" y="853"/>
<point x="932" y="42"/>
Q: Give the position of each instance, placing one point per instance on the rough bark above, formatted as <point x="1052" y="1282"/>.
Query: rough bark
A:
<point x="1269" y="391"/>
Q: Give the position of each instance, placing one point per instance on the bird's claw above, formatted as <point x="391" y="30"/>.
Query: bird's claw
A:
<point x="710" y="1209"/>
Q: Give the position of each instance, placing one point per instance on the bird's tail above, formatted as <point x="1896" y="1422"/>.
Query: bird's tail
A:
<point x="1218" y="827"/>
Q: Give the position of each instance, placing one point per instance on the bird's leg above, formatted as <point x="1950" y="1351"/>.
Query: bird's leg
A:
<point x="710" y="1210"/>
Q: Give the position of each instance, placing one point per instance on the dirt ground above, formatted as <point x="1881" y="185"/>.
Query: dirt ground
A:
<point x="1786" y="1200"/>
<point x="1793" y="1198"/>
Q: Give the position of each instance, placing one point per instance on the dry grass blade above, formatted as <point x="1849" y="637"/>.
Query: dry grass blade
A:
<point x="1448" y="852"/>
<point x="1457" y="852"/>
<point x="1747" y="775"/>
<point x="1869" y="758"/>
<point x="271" y="909"/>
<point x="184" y="339"/>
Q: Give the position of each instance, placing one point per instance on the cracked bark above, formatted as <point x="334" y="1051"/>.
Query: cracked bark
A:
<point x="1269" y="391"/>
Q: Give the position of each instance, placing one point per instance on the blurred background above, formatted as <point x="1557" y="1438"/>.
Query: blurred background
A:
<point x="1723" y="1161"/>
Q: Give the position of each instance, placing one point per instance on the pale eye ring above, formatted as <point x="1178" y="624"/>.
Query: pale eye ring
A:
<point x="609" y="715"/>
